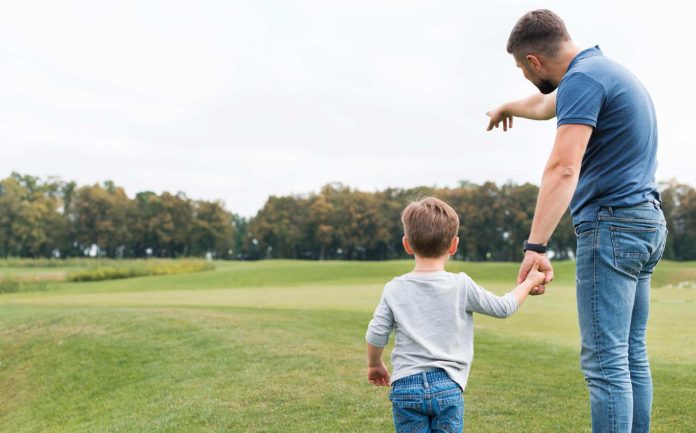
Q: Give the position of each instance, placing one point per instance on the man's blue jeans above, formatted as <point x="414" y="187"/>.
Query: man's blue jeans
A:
<point x="616" y="255"/>
<point x="427" y="402"/>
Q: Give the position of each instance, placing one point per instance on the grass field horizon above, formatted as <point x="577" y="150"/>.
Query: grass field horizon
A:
<point x="278" y="345"/>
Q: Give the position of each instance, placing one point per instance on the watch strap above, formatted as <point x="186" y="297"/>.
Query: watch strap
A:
<point x="537" y="248"/>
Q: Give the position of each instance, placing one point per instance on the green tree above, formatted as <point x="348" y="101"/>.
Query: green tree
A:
<point x="29" y="216"/>
<point x="321" y="223"/>
<point x="212" y="230"/>
<point x="679" y="206"/>
<point x="100" y="217"/>
<point x="279" y="226"/>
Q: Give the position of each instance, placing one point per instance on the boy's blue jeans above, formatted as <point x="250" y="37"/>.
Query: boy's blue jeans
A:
<point x="427" y="402"/>
<point x="616" y="255"/>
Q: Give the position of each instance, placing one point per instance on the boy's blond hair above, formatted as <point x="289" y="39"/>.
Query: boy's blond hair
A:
<point x="430" y="224"/>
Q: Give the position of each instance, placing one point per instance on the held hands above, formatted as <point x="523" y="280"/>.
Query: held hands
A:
<point x="535" y="276"/>
<point x="532" y="265"/>
<point x="378" y="375"/>
<point x="497" y="116"/>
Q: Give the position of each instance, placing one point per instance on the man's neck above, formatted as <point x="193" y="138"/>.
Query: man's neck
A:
<point x="559" y="65"/>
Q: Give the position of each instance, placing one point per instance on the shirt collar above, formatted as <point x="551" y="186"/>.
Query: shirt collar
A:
<point x="590" y="52"/>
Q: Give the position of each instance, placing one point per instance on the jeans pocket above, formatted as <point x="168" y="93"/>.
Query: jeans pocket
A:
<point x="585" y="234"/>
<point x="663" y="245"/>
<point x="584" y="229"/>
<point x="450" y="400"/>
<point x="633" y="247"/>
<point x="451" y="417"/>
<point x="400" y="403"/>
<point x="407" y="414"/>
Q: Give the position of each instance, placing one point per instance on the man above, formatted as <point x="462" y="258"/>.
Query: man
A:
<point x="603" y="165"/>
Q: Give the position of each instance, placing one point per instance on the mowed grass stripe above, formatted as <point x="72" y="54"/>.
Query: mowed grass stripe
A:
<point x="293" y="273"/>
<point x="297" y="273"/>
<point x="551" y="318"/>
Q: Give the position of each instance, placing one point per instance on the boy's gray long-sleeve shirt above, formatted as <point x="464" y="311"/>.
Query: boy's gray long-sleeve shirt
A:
<point x="432" y="319"/>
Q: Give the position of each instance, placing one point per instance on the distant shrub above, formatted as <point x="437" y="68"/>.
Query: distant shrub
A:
<point x="12" y="285"/>
<point x="140" y="268"/>
<point x="52" y="263"/>
<point x="9" y="285"/>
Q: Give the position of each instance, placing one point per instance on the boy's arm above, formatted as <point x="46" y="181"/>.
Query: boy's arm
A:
<point x="381" y="325"/>
<point x="377" y="372"/>
<point x="536" y="107"/>
<point x="480" y="300"/>
<point x="377" y="337"/>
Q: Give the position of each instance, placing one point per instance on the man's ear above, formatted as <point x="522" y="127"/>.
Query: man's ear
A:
<point x="534" y="62"/>
<point x="407" y="247"/>
<point x="453" y="246"/>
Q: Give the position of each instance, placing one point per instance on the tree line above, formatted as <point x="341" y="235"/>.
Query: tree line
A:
<point x="54" y="218"/>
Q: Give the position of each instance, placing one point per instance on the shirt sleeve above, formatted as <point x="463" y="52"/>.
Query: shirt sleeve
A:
<point x="480" y="300"/>
<point x="579" y="100"/>
<point x="381" y="325"/>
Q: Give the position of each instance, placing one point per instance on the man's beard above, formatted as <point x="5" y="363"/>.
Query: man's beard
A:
<point x="545" y="86"/>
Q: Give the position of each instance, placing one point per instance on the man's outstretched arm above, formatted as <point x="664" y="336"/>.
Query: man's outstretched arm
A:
<point x="536" y="107"/>
<point x="557" y="187"/>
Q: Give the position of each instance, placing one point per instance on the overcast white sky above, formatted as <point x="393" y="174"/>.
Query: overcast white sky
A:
<point x="238" y="100"/>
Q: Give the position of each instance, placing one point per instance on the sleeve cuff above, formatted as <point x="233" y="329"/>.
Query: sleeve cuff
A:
<point x="577" y="121"/>
<point x="377" y="340"/>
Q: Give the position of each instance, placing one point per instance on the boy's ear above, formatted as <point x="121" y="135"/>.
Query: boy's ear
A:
<point x="453" y="246"/>
<point x="407" y="247"/>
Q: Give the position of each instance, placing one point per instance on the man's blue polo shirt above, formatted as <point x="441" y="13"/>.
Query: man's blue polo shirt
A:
<point x="618" y="168"/>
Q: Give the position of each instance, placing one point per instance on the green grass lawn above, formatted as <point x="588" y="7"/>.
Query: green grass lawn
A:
<point x="278" y="346"/>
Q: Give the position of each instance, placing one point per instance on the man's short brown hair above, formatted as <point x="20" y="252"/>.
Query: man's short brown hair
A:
<point x="430" y="225"/>
<point x="537" y="32"/>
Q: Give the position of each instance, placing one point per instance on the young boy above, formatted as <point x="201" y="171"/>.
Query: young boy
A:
<point x="431" y="313"/>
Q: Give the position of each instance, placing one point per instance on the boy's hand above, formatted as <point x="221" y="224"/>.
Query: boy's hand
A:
<point x="378" y="375"/>
<point x="535" y="276"/>
<point x="544" y="266"/>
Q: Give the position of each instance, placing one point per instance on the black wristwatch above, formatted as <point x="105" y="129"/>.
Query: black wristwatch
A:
<point x="537" y="248"/>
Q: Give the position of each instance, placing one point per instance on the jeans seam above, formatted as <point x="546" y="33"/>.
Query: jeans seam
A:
<point x="595" y="325"/>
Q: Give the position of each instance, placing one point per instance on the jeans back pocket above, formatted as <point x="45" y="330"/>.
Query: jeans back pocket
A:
<point x="633" y="247"/>
<point x="406" y="403"/>
<point x="451" y="412"/>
